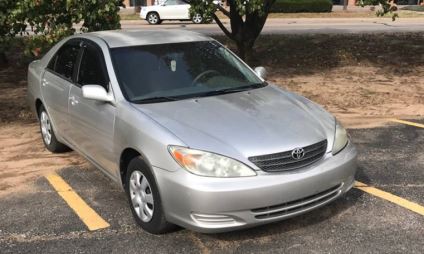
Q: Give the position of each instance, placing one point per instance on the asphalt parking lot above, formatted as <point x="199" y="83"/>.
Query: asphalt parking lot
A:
<point x="391" y="159"/>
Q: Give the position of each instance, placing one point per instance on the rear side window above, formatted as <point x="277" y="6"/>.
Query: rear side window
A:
<point x="92" y="70"/>
<point x="63" y="63"/>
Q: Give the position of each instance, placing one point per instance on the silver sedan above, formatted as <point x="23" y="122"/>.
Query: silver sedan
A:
<point x="195" y="137"/>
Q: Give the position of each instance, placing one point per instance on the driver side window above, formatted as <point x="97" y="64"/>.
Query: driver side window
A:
<point x="92" y="69"/>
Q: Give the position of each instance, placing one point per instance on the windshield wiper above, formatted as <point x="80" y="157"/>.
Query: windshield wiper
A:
<point x="156" y="99"/>
<point x="233" y="89"/>
<point x="204" y="94"/>
<point x="240" y="89"/>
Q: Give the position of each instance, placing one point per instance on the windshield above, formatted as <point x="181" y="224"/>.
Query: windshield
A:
<point x="165" y="72"/>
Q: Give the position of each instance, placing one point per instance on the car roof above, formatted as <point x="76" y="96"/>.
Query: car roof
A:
<point x="128" y="38"/>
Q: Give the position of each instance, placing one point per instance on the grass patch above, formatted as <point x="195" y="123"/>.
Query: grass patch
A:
<point x="346" y="14"/>
<point x="418" y="8"/>
<point x="135" y="16"/>
<point x="291" y="6"/>
<point x="303" y="54"/>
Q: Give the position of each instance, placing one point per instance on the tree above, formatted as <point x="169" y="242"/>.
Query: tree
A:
<point x="247" y="18"/>
<point x="101" y="15"/>
<point x="45" y="22"/>
<point x="6" y="23"/>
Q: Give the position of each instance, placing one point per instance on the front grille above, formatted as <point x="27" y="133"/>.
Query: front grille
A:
<point x="299" y="205"/>
<point x="284" y="161"/>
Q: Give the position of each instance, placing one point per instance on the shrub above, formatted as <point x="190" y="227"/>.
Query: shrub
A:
<point x="6" y="25"/>
<point x="292" y="6"/>
<point x="51" y="20"/>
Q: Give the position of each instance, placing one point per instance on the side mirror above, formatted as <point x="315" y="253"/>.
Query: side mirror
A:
<point x="261" y="71"/>
<point x="96" y="92"/>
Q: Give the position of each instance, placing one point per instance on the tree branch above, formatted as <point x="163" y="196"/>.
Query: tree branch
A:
<point x="235" y="19"/>
<point x="223" y="28"/>
<point x="268" y="5"/>
<point x="256" y="23"/>
<point x="223" y="10"/>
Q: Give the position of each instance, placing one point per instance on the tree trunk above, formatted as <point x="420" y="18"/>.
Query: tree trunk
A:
<point x="245" y="29"/>
<point x="245" y="50"/>
<point x="245" y="32"/>
<point x="3" y="58"/>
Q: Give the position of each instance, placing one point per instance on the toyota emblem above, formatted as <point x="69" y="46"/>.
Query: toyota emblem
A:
<point x="298" y="153"/>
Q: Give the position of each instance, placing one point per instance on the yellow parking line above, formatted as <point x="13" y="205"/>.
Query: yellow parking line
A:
<point x="91" y="219"/>
<point x="407" y="123"/>
<point x="390" y="197"/>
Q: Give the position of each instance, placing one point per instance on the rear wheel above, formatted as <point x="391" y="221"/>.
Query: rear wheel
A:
<point x="47" y="133"/>
<point x="197" y="19"/>
<point x="153" y="18"/>
<point x="144" y="198"/>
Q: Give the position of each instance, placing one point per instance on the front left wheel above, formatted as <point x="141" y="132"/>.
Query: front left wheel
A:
<point x="144" y="198"/>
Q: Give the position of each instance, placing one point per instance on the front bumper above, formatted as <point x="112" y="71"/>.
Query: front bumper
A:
<point x="212" y="205"/>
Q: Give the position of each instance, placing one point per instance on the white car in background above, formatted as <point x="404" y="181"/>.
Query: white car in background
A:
<point x="170" y="10"/>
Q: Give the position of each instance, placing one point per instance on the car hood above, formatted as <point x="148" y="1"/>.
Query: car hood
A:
<point x="260" y="121"/>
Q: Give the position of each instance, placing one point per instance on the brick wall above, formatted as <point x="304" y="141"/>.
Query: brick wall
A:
<point x="128" y="3"/>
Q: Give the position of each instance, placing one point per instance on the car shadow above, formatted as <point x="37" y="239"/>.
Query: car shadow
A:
<point x="361" y="175"/>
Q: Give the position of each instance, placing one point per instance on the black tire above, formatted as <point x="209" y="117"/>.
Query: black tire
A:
<point x="158" y="223"/>
<point x="153" y="18"/>
<point x="52" y="144"/>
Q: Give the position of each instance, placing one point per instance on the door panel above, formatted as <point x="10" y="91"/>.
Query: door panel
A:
<point x="167" y="12"/>
<point x="182" y="11"/>
<point x="56" y="83"/>
<point x="174" y="9"/>
<point x="92" y="122"/>
<point x="55" y="92"/>
<point x="92" y="128"/>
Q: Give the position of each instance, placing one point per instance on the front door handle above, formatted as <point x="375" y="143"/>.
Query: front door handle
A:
<point x="45" y="82"/>
<point x="73" y="100"/>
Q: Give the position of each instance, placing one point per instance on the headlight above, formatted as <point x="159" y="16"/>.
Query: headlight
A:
<point x="340" y="138"/>
<point x="209" y="164"/>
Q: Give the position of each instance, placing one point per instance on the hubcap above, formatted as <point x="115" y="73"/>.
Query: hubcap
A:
<point x="141" y="196"/>
<point x="197" y="18"/>
<point x="46" y="128"/>
<point x="153" y="18"/>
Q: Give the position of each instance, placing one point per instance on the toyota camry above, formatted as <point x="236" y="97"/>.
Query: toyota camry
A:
<point x="194" y="136"/>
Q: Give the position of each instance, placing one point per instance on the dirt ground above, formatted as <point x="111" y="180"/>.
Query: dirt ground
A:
<point x="22" y="154"/>
<point x="361" y="97"/>
<point x="363" y="80"/>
